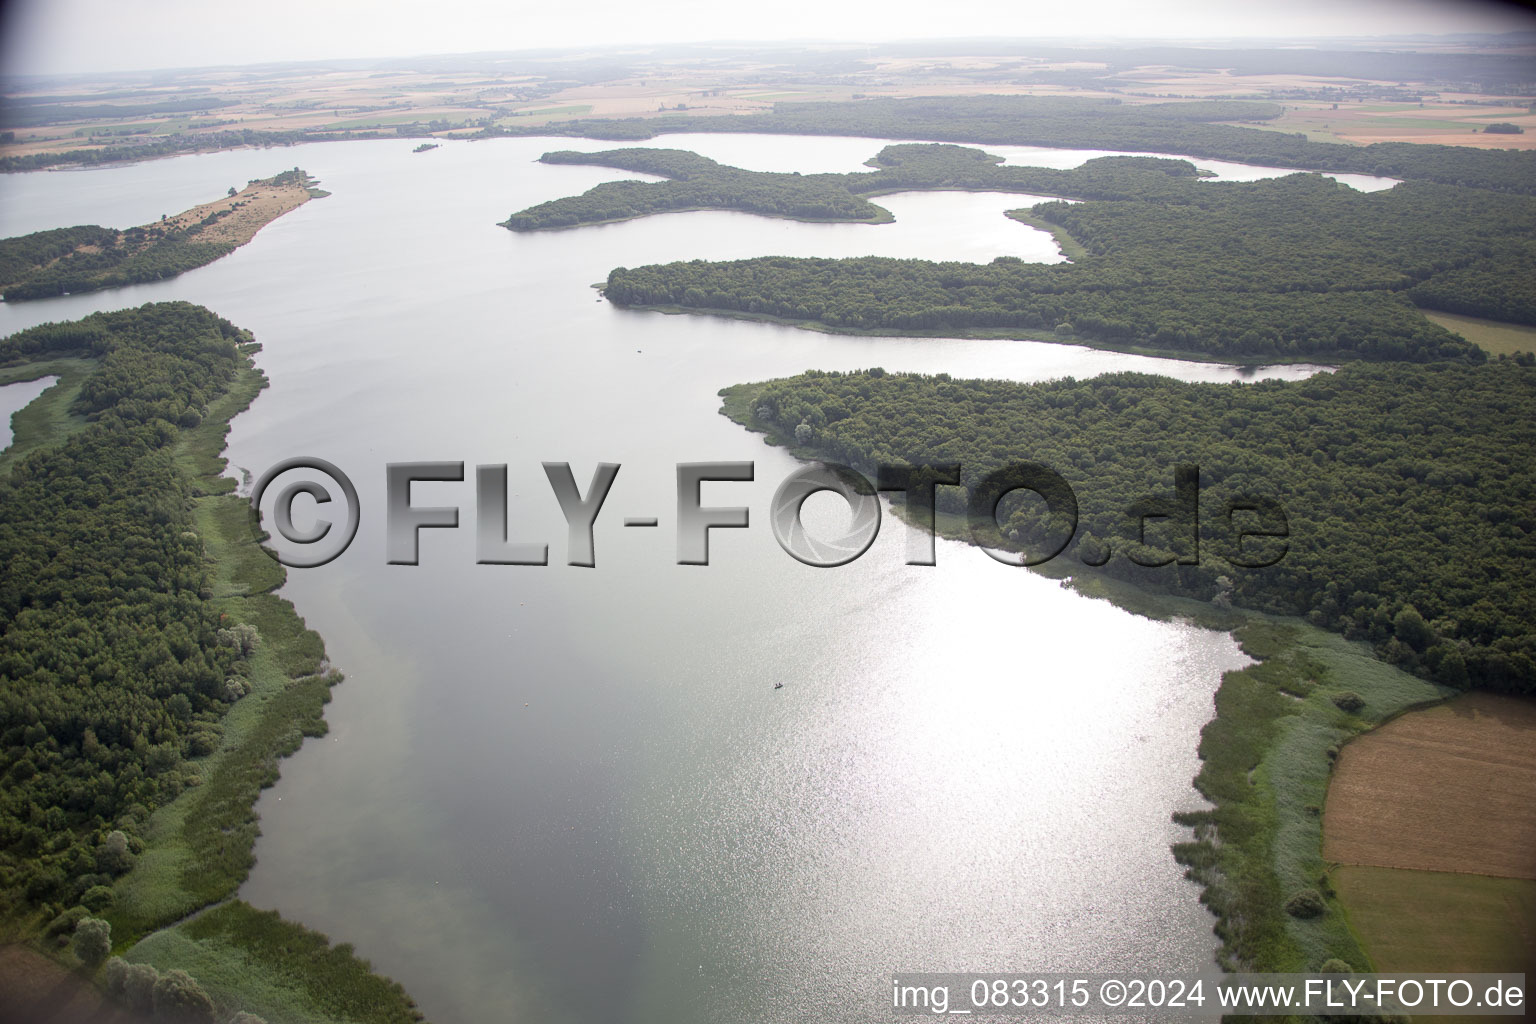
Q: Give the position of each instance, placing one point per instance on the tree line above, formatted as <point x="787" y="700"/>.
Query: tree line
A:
<point x="1195" y="128"/>
<point x="191" y="142"/>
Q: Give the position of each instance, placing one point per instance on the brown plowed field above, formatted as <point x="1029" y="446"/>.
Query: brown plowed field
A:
<point x="1452" y="788"/>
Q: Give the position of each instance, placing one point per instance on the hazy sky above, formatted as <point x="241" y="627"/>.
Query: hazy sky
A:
<point x="98" y="35"/>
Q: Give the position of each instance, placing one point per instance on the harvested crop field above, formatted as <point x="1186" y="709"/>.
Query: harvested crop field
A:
<point x="1451" y="788"/>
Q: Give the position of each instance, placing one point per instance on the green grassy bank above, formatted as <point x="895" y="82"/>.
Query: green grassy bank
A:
<point x="198" y="848"/>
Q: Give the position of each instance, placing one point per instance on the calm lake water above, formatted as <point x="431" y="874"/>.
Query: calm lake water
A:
<point x="576" y="793"/>
<point x="14" y="398"/>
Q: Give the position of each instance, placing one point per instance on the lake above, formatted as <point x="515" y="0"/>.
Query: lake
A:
<point x="14" y="398"/>
<point x="576" y="793"/>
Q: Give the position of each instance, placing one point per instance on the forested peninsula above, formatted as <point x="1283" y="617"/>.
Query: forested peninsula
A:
<point x="1298" y="268"/>
<point x="1408" y="532"/>
<point x="696" y="183"/>
<point x="1412" y="516"/>
<point x="88" y="257"/>
<point x="151" y="679"/>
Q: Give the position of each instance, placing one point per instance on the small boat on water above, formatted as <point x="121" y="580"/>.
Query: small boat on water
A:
<point x="778" y="686"/>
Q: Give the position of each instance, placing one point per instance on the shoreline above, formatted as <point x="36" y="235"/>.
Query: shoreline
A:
<point x="1069" y="246"/>
<point x="1071" y="249"/>
<point x="650" y="127"/>
<point x="179" y="906"/>
<point x="887" y="218"/>
<point x="1266" y="754"/>
<point x="47" y="417"/>
<point x="1047" y="337"/>
<point x="224" y="941"/>
<point x="273" y="199"/>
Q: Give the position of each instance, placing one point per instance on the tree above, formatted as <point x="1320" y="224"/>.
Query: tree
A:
<point x="1306" y="903"/>
<point x="1409" y="627"/>
<point x="98" y="898"/>
<point x="93" y="941"/>
<point x="178" y="999"/>
<point x="1349" y="701"/>
<point x="113" y="856"/>
<point x="139" y="987"/>
<point x="116" y="977"/>
<point x="63" y="926"/>
<point x="1453" y="670"/>
<point x="243" y="638"/>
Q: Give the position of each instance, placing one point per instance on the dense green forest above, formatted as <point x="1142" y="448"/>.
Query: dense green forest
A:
<point x="1410" y="498"/>
<point x="1498" y="286"/>
<point x="23" y="256"/>
<point x="111" y="669"/>
<point x="1298" y="267"/>
<point x="89" y="257"/>
<point x="128" y="257"/>
<point x="1194" y="128"/>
